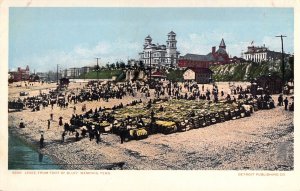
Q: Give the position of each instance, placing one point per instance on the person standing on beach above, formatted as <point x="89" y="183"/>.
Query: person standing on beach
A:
<point x="51" y="116"/>
<point x="280" y="100"/>
<point x="286" y="103"/>
<point x="63" y="137"/>
<point x="74" y="109"/>
<point x="48" y="123"/>
<point x="22" y="124"/>
<point x="97" y="134"/>
<point x="42" y="141"/>
<point x="60" y="123"/>
<point x="77" y="136"/>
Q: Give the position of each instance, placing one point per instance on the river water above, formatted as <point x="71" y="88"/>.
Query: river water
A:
<point x="23" y="156"/>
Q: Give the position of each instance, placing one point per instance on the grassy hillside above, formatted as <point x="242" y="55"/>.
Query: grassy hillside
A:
<point x="175" y="75"/>
<point x="104" y="74"/>
<point x="247" y="71"/>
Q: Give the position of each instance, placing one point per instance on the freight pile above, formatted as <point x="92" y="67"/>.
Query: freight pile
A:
<point x="177" y="115"/>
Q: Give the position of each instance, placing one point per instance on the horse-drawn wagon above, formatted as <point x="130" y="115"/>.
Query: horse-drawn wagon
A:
<point x="19" y="106"/>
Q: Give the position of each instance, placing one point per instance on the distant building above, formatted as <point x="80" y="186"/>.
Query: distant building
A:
<point x="219" y="56"/>
<point x="195" y="61"/>
<point x="43" y="76"/>
<point x="76" y="72"/>
<point x="160" y="55"/>
<point x="261" y="53"/>
<point x="20" y="74"/>
<point x="200" y="75"/>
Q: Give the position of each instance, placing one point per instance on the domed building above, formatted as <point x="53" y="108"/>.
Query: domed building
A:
<point x="160" y="55"/>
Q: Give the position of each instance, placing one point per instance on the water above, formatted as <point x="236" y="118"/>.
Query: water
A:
<point x="23" y="156"/>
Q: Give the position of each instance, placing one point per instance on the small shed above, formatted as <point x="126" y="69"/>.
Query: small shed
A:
<point x="200" y="75"/>
<point x="270" y="83"/>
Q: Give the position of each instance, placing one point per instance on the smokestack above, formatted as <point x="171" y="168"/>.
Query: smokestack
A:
<point x="213" y="50"/>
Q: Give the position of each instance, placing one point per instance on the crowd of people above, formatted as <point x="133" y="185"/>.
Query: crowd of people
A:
<point x="95" y="91"/>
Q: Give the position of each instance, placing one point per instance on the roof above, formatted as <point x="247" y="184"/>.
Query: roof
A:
<point x="221" y="51"/>
<point x="198" y="57"/>
<point x="171" y="33"/>
<point x="201" y="70"/>
<point x="148" y="37"/>
<point x="222" y="44"/>
<point x="158" y="74"/>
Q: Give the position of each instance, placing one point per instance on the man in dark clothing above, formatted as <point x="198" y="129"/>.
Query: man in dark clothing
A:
<point x="60" y="123"/>
<point x="280" y="100"/>
<point x="48" y="123"/>
<point x="122" y="134"/>
<point x="286" y="103"/>
<point x="97" y="134"/>
<point x="63" y="136"/>
<point x="77" y="136"/>
<point x="42" y="141"/>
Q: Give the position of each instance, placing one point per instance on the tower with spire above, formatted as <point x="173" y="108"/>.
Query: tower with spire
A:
<point x="221" y="55"/>
<point x="222" y="44"/>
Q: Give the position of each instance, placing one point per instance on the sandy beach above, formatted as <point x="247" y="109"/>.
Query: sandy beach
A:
<point x="264" y="141"/>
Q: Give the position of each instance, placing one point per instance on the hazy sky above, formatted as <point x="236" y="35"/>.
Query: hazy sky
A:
<point x="74" y="37"/>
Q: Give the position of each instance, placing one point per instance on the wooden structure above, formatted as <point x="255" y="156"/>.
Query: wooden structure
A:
<point x="200" y="75"/>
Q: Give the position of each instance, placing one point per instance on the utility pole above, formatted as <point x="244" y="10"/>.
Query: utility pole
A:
<point x="84" y="72"/>
<point x="150" y="66"/>
<point x="57" y="73"/>
<point x="97" y="69"/>
<point x="282" y="59"/>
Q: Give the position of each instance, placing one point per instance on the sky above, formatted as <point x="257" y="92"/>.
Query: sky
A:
<point x="74" y="37"/>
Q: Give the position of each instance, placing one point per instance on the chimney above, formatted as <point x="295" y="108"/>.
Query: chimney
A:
<point x="213" y="50"/>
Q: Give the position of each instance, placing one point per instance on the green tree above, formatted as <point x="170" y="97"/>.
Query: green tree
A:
<point x="117" y="65"/>
<point x="113" y="66"/>
<point x="141" y="65"/>
<point x="122" y="65"/>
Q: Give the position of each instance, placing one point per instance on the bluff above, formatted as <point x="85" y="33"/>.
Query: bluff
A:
<point x="250" y="70"/>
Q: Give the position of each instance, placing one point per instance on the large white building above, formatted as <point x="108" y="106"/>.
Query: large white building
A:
<point x="160" y="55"/>
<point x="261" y="53"/>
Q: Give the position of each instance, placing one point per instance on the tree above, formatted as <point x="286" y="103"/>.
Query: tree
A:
<point x="117" y="65"/>
<point x="113" y="66"/>
<point x="107" y="66"/>
<point x="141" y="65"/>
<point x="122" y="65"/>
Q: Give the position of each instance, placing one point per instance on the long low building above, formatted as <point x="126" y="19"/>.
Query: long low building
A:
<point x="219" y="56"/>
<point x="261" y="53"/>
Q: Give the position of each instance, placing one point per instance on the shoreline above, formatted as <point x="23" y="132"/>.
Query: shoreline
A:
<point x="32" y="144"/>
